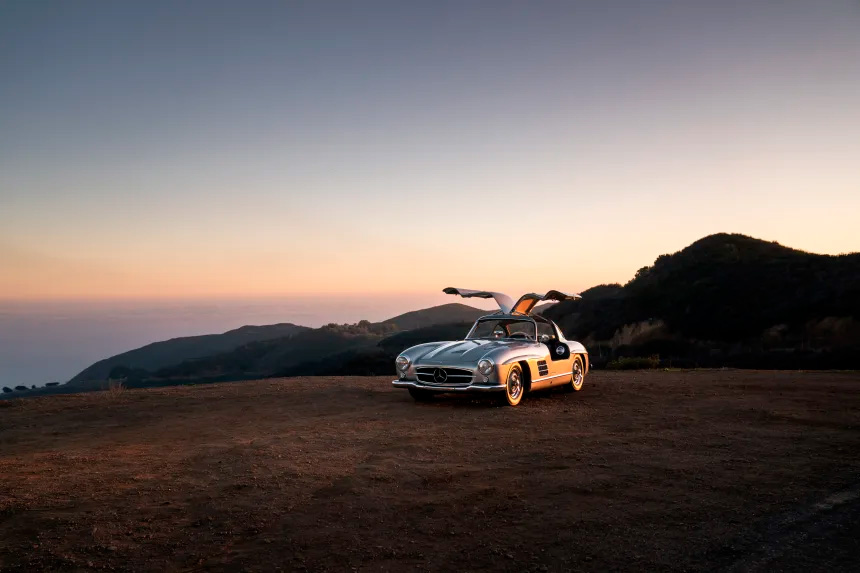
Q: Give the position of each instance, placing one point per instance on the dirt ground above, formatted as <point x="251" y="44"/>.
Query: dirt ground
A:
<point x="701" y="470"/>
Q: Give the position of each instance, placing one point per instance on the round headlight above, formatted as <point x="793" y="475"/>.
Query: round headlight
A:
<point x="485" y="367"/>
<point x="402" y="363"/>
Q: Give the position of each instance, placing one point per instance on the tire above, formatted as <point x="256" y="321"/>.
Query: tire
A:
<point x="577" y="378"/>
<point x="421" y="395"/>
<point x="515" y="386"/>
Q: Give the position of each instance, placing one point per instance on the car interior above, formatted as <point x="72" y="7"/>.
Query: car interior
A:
<point x="546" y="334"/>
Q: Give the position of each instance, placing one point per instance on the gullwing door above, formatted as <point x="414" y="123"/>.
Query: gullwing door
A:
<point x="528" y="301"/>
<point x="504" y="301"/>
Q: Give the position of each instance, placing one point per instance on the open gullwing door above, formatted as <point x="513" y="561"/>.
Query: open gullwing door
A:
<point x="505" y="302"/>
<point x="528" y="301"/>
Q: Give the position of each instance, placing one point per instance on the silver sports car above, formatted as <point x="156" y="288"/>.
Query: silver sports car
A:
<point x="510" y="352"/>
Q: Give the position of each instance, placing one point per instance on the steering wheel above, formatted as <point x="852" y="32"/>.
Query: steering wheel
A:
<point x="522" y="335"/>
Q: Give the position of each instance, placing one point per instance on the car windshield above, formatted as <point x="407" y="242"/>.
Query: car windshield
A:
<point x="503" y="328"/>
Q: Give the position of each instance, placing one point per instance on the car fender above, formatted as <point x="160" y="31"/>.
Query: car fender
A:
<point x="576" y="347"/>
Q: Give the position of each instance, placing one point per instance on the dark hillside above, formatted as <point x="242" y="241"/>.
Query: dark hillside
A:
<point x="598" y="314"/>
<point x="333" y="350"/>
<point x="725" y="294"/>
<point x="253" y="351"/>
<point x="396" y="343"/>
<point x="272" y="357"/>
<point x="169" y="352"/>
<point x="726" y="287"/>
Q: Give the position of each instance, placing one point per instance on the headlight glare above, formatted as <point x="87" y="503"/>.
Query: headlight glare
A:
<point x="485" y="367"/>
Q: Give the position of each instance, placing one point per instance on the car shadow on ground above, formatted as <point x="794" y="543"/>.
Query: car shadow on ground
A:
<point x="494" y="400"/>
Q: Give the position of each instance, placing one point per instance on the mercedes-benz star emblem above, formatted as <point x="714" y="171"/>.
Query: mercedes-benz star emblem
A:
<point x="440" y="376"/>
<point x="559" y="350"/>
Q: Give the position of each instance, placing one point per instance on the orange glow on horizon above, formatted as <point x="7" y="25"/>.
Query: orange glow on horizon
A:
<point x="54" y="279"/>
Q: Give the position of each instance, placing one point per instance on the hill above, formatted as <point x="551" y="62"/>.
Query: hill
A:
<point x="363" y="348"/>
<point x="730" y="297"/>
<point x="169" y="352"/>
<point x="268" y="358"/>
<point x="443" y="314"/>
<point x="259" y="351"/>
<point x="377" y="360"/>
<point x="400" y="341"/>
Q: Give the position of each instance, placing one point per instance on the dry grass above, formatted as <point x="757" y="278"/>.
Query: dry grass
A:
<point x="113" y="389"/>
<point x="641" y="470"/>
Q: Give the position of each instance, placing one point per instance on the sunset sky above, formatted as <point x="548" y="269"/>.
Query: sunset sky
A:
<point x="245" y="149"/>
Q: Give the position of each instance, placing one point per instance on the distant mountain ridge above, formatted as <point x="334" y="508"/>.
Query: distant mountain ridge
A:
<point x="442" y="314"/>
<point x="254" y="351"/>
<point x="169" y="352"/>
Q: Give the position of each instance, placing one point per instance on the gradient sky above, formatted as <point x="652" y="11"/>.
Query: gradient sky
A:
<point x="219" y="149"/>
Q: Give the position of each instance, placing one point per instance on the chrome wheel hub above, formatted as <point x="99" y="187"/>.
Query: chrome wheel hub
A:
<point x="577" y="374"/>
<point x="515" y="385"/>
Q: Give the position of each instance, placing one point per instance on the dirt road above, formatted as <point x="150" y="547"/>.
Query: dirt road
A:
<point x="702" y="470"/>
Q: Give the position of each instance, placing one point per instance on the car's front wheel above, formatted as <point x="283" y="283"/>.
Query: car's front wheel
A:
<point x="515" y="386"/>
<point x="421" y="395"/>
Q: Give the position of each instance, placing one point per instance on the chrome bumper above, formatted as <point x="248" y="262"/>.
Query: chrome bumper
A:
<point x="434" y="388"/>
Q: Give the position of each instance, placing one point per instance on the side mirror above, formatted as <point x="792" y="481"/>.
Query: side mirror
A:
<point x="544" y="338"/>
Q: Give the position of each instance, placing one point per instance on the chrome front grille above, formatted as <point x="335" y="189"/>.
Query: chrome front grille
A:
<point x="442" y="376"/>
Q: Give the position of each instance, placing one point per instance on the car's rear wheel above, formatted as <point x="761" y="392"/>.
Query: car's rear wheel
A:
<point x="515" y="386"/>
<point x="577" y="374"/>
<point x="421" y="395"/>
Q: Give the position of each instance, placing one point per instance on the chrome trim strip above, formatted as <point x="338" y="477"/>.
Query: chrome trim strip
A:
<point x="446" y="389"/>
<point x="550" y="377"/>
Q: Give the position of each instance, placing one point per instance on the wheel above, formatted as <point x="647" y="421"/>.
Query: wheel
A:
<point x="514" y="388"/>
<point x="421" y="395"/>
<point x="578" y="374"/>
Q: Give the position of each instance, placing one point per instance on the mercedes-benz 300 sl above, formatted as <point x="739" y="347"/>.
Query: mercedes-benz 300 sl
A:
<point x="511" y="352"/>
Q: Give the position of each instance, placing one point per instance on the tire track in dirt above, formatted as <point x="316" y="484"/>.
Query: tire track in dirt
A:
<point x="793" y="537"/>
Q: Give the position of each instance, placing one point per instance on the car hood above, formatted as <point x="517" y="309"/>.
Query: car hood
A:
<point x="467" y="352"/>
